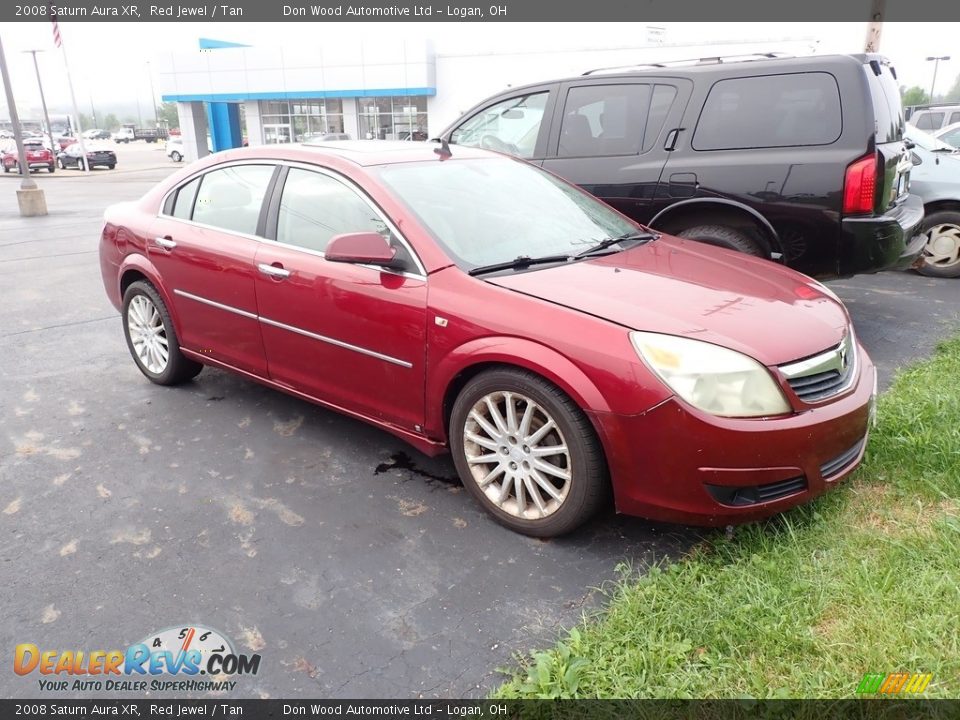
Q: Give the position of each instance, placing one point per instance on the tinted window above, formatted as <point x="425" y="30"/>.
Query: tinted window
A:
<point x="604" y="120"/>
<point x="663" y="97"/>
<point x="952" y="137"/>
<point x="231" y="198"/>
<point x="954" y="117"/>
<point x="510" y="126"/>
<point x="930" y="121"/>
<point x="315" y="207"/>
<point x="770" y="111"/>
<point x="183" y="205"/>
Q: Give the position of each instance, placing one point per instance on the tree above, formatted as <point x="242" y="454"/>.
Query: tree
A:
<point x="914" y="96"/>
<point x="167" y="113"/>
<point x="953" y="95"/>
<point x="110" y="122"/>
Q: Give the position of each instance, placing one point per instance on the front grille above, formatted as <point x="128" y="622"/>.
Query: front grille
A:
<point x="754" y="494"/>
<point x="842" y="461"/>
<point x="825" y="375"/>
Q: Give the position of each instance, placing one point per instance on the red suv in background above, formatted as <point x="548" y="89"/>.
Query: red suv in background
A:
<point x="38" y="157"/>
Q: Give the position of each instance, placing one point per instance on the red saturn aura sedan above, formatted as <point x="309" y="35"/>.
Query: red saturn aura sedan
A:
<point x="475" y="304"/>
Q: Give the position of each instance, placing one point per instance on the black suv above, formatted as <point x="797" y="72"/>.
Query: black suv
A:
<point x="800" y="159"/>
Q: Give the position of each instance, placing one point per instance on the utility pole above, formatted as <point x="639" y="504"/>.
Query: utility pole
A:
<point x="73" y="101"/>
<point x="875" y="26"/>
<point x="43" y="101"/>
<point x="29" y="197"/>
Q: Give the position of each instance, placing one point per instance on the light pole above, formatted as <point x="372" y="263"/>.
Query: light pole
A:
<point x="43" y="101"/>
<point x="29" y="196"/>
<point x="936" y="64"/>
<point x="153" y="98"/>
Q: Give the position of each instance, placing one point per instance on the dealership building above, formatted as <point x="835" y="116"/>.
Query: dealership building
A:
<point x="388" y="90"/>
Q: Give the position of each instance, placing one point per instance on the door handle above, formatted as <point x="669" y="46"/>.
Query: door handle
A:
<point x="165" y="242"/>
<point x="671" y="142"/>
<point x="273" y="271"/>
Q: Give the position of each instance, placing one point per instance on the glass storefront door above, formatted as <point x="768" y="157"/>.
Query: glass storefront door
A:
<point x="274" y="134"/>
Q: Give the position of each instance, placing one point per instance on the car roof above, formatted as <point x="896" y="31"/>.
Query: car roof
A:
<point x="364" y="153"/>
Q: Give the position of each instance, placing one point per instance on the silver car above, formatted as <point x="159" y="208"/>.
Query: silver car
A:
<point x="936" y="179"/>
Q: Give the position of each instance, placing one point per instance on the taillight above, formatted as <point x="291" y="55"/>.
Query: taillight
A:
<point x="860" y="185"/>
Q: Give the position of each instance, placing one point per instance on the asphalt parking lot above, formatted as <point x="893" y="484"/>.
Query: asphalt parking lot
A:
<point x="355" y="566"/>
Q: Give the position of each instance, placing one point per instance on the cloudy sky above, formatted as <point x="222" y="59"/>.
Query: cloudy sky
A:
<point x="109" y="61"/>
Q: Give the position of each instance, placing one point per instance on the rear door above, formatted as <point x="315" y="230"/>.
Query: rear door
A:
<point x="612" y="137"/>
<point x="518" y="125"/>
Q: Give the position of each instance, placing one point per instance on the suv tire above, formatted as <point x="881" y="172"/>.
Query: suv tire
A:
<point x="725" y="237"/>
<point x="941" y="227"/>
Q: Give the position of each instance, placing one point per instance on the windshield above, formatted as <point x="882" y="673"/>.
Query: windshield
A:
<point x="926" y="140"/>
<point x="487" y="211"/>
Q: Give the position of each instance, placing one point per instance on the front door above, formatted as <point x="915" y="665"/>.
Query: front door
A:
<point x="350" y="335"/>
<point x="274" y="134"/>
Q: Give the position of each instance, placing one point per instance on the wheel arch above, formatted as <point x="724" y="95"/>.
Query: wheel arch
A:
<point x="716" y="211"/>
<point x="138" y="267"/>
<point x="452" y="374"/>
<point x="946" y="205"/>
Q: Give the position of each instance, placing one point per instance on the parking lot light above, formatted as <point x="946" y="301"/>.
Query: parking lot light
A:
<point x="936" y="64"/>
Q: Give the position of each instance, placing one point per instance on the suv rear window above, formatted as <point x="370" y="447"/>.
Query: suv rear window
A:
<point x="930" y="121"/>
<point x="770" y="111"/>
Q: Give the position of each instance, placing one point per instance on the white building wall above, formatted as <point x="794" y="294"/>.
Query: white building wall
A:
<point x="251" y="116"/>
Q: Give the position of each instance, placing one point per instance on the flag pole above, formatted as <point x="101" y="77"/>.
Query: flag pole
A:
<point x="58" y="39"/>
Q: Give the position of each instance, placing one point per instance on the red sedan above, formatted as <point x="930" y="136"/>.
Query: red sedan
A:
<point x="476" y="304"/>
<point x="39" y="157"/>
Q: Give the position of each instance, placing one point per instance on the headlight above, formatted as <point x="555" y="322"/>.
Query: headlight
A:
<point x="712" y="378"/>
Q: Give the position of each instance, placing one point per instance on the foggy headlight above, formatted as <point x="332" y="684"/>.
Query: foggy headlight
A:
<point x="714" y="379"/>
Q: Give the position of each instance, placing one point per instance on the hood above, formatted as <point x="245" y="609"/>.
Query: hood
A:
<point x="681" y="287"/>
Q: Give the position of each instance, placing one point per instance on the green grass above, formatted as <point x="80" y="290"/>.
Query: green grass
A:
<point x="863" y="580"/>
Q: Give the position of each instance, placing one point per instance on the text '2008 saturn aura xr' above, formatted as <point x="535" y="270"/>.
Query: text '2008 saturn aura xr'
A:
<point x="476" y="304"/>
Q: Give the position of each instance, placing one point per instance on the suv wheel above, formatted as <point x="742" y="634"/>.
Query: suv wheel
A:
<point x="725" y="237"/>
<point x="527" y="453"/>
<point x="941" y="254"/>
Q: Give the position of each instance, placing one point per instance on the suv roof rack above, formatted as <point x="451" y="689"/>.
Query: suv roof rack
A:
<point x="714" y="60"/>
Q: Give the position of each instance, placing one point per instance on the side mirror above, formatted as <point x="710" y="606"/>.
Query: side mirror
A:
<point x="362" y="248"/>
<point x="916" y="159"/>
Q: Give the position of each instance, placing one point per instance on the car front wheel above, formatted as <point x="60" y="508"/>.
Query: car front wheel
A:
<point x="152" y="339"/>
<point x="941" y="254"/>
<point x="527" y="453"/>
<point x="175" y="156"/>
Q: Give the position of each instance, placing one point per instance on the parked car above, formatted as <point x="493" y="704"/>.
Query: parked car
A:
<point x="936" y="179"/>
<point x="749" y="155"/>
<point x="123" y="135"/>
<point x="558" y="349"/>
<point x="174" y="148"/>
<point x="97" y="156"/>
<point x="96" y="134"/>
<point x="934" y="117"/>
<point x="39" y="157"/>
<point x="949" y="134"/>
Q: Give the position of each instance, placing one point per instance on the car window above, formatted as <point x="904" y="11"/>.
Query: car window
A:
<point x="510" y="126"/>
<point x="660" y="104"/>
<point x="315" y="207"/>
<point x="231" y="198"/>
<point x="183" y="205"/>
<point x="929" y="121"/>
<point x="603" y="120"/>
<point x="770" y="111"/>
<point x="952" y="137"/>
<point x="954" y="117"/>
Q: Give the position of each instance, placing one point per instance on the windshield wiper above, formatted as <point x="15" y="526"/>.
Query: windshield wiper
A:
<point x="518" y="263"/>
<point x="626" y="237"/>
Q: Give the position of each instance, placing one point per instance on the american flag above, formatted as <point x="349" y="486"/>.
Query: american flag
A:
<point x="56" y="26"/>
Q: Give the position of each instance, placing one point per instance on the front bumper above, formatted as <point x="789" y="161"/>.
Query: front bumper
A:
<point x="885" y="242"/>
<point x="677" y="464"/>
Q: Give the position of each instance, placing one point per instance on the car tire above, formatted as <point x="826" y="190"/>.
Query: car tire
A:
<point x="50" y="169"/>
<point x="111" y="167"/>
<point x="176" y="157"/>
<point x="941" y="254"/>
<point x="60" y="164"/>
<point x="6" y="168"/>
<point x="725" y="237"/>
<point x="535" y="502"/>
<point x="150" y="333"/>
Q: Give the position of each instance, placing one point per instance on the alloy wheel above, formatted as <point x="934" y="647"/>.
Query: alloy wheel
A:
<point x="517" y="455"/>
<point x="147" y="334"/>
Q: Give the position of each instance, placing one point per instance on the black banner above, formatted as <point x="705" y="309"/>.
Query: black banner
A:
<point x="477" y="10"/>
<point x="486" y="709"/>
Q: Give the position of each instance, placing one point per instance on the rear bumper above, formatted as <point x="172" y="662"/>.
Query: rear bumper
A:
<point x="676" y="464"/>
<point x="885" y="242"/>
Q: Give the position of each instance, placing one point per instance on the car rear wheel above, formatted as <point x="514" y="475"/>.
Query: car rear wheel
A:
<point x="60" y="164"/>
<point x="725" y="237"/>
<point x="152" y="339"/>
<point x="50" y="169"/>
<point x="527" y="453"/>
<point x="176" y="157"/>
<point x="941" y="254"/>
<point x="111" y="167"/>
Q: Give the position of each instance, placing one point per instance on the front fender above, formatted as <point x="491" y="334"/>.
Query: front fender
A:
<point x="505" y="350"/>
